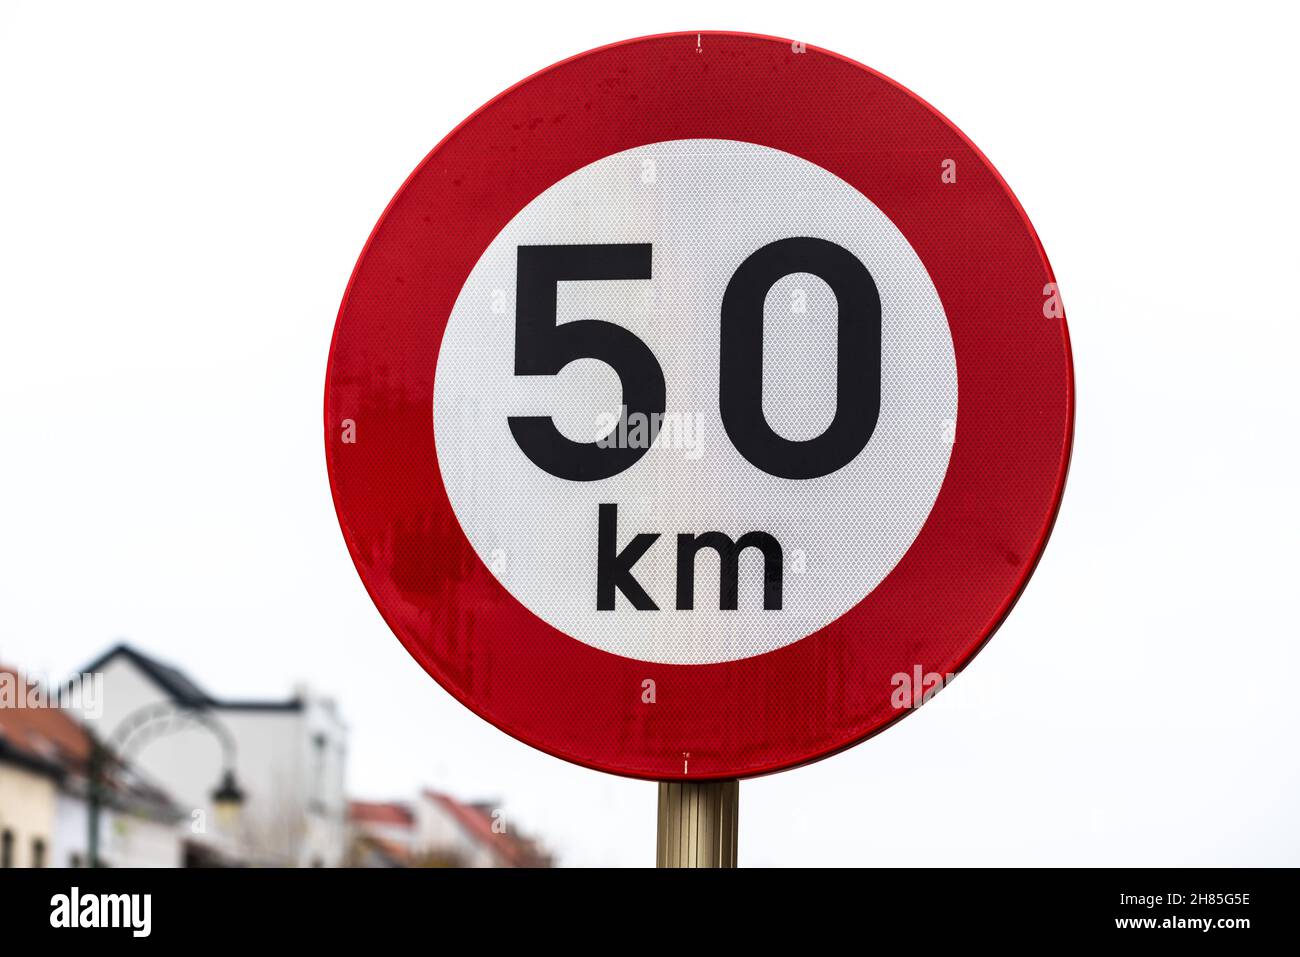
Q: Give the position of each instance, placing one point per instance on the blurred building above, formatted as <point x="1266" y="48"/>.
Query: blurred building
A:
<point x="45" y="767"/>
<point x="437" y="830"/>
<point x="289" y="760"/>
<point x="29" y="780"/>
<point x="381" y="834"/>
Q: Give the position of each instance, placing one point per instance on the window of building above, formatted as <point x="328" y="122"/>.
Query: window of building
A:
<point x="38" y="852"/>
<point x="7" y="848"/>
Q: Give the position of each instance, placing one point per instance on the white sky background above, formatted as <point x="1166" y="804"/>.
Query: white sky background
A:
<point x="183" y="195"/>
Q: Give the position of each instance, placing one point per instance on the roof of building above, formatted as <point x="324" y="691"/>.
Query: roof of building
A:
<point x="381" y="812"/>
<point x="14" y="755"/>
<point x="43" y="734"/>
<point x="179" y="686"/>
<point x="479" y="822"/>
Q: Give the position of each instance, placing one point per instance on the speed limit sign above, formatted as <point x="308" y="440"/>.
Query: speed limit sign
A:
<point x="695" y="398"/>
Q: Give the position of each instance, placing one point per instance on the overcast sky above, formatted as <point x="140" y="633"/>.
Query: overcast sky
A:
<point x="183" y="196"/>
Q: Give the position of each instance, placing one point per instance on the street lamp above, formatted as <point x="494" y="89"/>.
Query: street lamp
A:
<point x="144" y="725"/>
<point x="227" y="799"/>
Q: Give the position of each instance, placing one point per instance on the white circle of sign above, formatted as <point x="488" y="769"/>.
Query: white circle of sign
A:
<point x="704" y="206"/>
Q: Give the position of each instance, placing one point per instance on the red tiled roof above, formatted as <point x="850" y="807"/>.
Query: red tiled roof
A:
<point x="380" y="812"/>
<point x="46" y="734"/>
<point x="477" y="822"/>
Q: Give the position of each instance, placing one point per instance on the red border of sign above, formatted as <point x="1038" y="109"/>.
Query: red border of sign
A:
<point x="796" y="704"/>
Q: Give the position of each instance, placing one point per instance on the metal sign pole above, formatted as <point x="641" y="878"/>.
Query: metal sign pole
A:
<point x="698" y="823"/>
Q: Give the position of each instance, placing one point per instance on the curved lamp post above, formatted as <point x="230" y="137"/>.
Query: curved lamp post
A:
<point x="147" y="724"/>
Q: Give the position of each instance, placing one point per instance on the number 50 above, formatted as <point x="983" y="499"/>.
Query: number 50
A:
<point x="543" y="346"/>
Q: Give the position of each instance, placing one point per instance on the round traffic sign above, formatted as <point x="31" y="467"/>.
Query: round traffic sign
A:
<point x="699" y="406"/>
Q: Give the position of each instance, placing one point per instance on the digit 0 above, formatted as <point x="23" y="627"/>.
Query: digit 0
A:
<point x="857" y="366"/>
